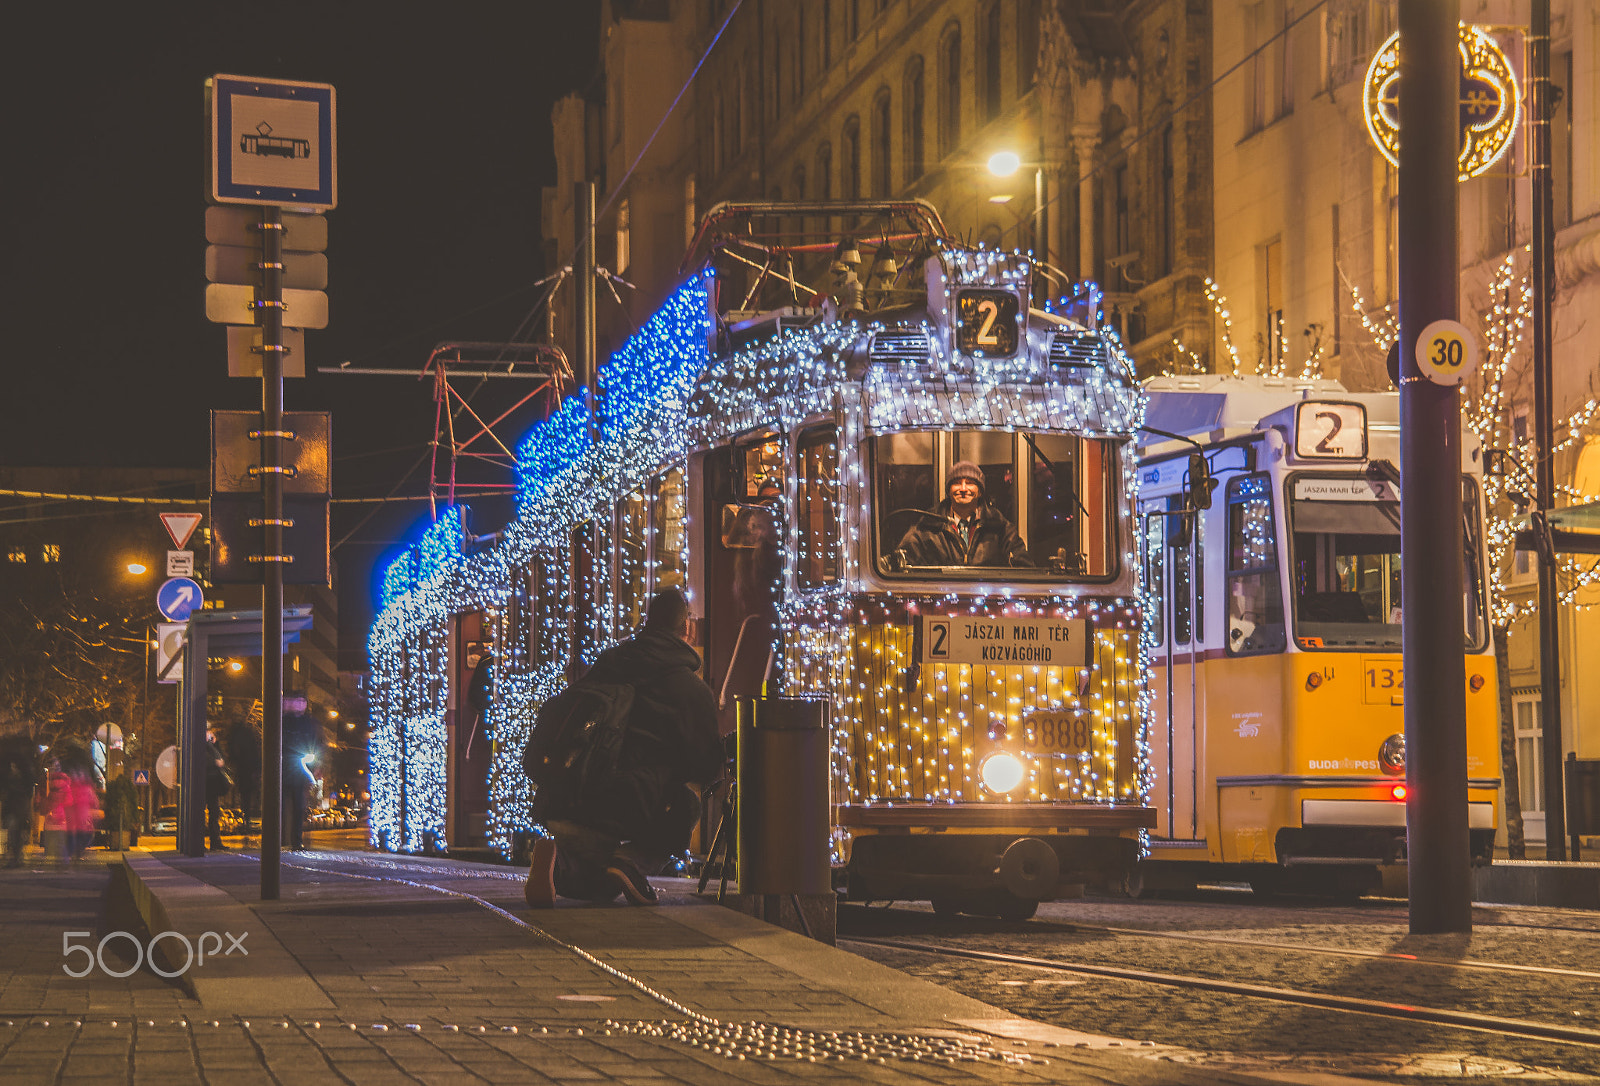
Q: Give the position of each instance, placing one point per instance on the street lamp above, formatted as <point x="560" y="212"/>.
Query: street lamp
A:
<point x="1006" y="163"/>
<point x="137" y="568"/>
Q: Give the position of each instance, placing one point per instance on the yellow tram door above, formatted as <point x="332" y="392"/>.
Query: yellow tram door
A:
<point x="1174" y="558"/>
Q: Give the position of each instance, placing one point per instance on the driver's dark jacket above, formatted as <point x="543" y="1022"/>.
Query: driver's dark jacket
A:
<point x="936" y="541"/>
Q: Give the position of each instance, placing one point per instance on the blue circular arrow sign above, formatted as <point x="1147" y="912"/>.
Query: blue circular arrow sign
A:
<point x="176" y="598"/>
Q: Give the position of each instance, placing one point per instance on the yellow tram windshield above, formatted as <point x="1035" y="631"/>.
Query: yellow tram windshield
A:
<point x="1345" y="567"/>
<point x="1045" y="510"/>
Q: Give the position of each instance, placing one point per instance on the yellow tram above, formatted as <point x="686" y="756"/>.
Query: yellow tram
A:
<point x="1273" y="618"/>
<point x="771" y="450"/>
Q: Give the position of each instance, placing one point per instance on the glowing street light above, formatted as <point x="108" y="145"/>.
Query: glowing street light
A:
<point x="136" y="568"/>
<point x="1004" y="163"/>
<point x="235" y="666"/>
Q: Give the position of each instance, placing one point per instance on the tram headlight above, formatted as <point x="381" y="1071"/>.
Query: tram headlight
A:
<point x="1002" y="771"/>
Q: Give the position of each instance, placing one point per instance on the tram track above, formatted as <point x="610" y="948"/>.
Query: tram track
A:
<point x="1521" y="1029"/>
<point x="1343" y="952"/>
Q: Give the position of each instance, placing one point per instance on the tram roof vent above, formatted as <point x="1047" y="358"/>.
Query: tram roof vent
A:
<point x="1077" y="350"/>
<point x="905" y="348"/>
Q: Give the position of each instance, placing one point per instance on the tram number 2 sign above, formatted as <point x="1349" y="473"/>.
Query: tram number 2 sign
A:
<point x="987" y="322"/>
<point x="1330" y="430"/>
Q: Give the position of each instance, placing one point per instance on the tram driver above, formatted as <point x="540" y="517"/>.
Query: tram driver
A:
<point x="965" y="529"/>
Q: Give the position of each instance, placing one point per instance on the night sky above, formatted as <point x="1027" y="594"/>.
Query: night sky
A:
<point x="443" y="145"/>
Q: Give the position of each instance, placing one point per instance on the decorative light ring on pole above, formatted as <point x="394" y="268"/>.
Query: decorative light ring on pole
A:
<point x="1491" y="102"/>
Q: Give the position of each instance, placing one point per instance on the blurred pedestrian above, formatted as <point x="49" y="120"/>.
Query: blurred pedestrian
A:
<point x="218" y="781"/>
<point x="299" y="748"/>
<point x="19" y="777"/>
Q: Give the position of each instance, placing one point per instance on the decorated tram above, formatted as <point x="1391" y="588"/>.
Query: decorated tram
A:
<point x="775" y="450"/>
<point x="1273" y="608"/>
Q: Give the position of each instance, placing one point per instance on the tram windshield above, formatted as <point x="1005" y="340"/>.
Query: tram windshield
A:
<point x="1346" y="565"/>
<point x="965" y="504"/>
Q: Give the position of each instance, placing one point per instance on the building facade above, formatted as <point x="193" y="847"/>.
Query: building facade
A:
<point x="1101" y="103"/>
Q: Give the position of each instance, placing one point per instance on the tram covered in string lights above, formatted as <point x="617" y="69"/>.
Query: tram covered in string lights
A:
<point x="769" y="448"/>
<point x="1273" y="623"/>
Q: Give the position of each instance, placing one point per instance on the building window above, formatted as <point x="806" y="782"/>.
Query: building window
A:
<point x="16" y="554"/>
<point x="717" y="137"/>
<point x="850" y="160"/>
<point x="916" y="151"/>
<point x="1338" y="301"/>
<point x="882" y="176"/>
<point x="852" y="19"/>
<point x="50" y="552"/>
<point x="691" y="215"/>
<point x="1270" y="85"/>
<point x="950" y="91"/>
<point x="777" y="75"/>
<point x="615" y="106"/>
<point x="1530" y="751"/>
<point x="1169" y="206"/>
<point x="623" y="240"/>
<point x="1272" y="305"/>
<point x="824" y="182"/>
<point x="800" y="54"/>
<point x="1029" y="32"/>
<point x="989" y="21"/>
<point x="1121" y="212"/>
<point x="827" y="34"/>
<point x="736" y="120"/>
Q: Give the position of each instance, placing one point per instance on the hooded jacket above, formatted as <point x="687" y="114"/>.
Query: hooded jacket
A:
<point x="992" y="541"/>
<point x="674" y="715"/>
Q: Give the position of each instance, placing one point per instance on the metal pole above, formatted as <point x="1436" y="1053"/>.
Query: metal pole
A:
<point x="1041" y="246"/>
<point x="1544" y="279"/>
<point x="1433" y="633"/>
<point x="583" y="286"/>
<point x="270" y="317"/>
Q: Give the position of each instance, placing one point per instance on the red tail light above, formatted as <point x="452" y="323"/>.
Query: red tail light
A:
<point x="1399" y="791"/>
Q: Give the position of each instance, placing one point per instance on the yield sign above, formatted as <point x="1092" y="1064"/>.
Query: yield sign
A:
<point x="180" y="526"/>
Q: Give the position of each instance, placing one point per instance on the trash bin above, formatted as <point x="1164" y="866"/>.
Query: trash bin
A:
<point x="1583" y="795"/>
<point x="782" y="806"/>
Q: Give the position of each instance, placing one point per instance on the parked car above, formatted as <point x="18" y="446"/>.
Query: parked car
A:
<point x="166" y="820"/>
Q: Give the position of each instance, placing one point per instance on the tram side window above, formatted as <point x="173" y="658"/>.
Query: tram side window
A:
<point x="549" y="587"/>
<point x="818" y="507"/>
<point x="628" y="610"/>
<point x="1182" y="529"/>
<point x="518" y="621"/>
<point x="586" y="596"/>
<point x="667" y="530"/>
<point x="1255" y="600"/>
<point x="1155" y="573"/>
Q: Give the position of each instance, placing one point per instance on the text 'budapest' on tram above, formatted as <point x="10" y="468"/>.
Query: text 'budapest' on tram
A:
<point x="907" y="493"/>
<point x="1277" y="730"/>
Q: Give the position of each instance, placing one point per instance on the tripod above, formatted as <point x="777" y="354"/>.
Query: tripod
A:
<point x="723" y="838"/>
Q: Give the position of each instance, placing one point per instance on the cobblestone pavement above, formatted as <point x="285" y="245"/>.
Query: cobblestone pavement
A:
<point x="429" y="988"/>
<point x="1241" y="1032"/>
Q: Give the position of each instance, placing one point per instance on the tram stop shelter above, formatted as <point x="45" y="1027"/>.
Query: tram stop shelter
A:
<point x="212" y="633"/>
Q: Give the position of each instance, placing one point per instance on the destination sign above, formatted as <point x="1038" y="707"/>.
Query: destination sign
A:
<point x="1005" y="642"/>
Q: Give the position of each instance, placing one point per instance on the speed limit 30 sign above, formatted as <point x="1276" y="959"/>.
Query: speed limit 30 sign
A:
<point x="1446" y="352"/>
